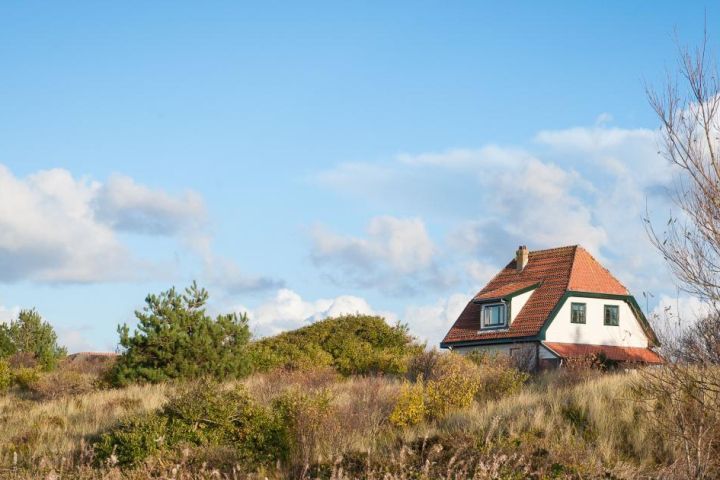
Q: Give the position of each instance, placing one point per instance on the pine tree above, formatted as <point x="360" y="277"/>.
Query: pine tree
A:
<point x="175" y="338"/>
<point x="30" y="334"/>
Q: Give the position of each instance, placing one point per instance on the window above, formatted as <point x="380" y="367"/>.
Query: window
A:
<point x="493" y="316"/>
<point x="577" y="313"/>
<point x="612" y="315"/>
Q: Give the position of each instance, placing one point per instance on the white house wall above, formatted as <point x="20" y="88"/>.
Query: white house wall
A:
<point x="594" y="332"/>
<point x="517" y="303"/>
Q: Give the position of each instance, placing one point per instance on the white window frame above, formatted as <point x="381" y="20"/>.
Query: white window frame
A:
<point x="483" y="317"/>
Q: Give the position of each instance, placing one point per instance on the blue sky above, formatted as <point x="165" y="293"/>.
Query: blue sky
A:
<point x="309" y="159"/>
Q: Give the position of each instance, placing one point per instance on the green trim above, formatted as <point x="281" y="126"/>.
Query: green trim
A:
<point x="584" y="312"/>
<point x="489" y="341"/>
<point x="509" y="296"/>
<point x="629" y="299"/>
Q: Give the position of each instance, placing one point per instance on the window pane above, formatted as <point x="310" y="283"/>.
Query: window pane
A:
<point x="612" y="315"/>
<point x="577" y="313"/>
<point x="494" y="315"/>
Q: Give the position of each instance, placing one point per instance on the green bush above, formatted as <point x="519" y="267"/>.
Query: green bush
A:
<point x="200" y="416"/>
<point x="5" y="375"/>
<point x="176" y="339"/>
<point x="352" y="344"/>
<point x="29" y="335"/>
<point x="132" y="440"/>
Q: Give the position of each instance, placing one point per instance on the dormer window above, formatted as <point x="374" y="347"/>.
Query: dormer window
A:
<point x="493" y="316"/>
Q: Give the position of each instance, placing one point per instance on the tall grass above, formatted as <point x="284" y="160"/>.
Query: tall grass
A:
<point x="50" y="432"/>
<point x="551" y="428"/>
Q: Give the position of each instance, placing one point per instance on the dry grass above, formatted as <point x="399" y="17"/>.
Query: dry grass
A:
<point x="55" y="431"/>
<point x="585" y="430"/>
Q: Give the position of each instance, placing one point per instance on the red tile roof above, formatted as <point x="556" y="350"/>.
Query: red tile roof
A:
<point x="618" y="354"/>
<point x="557" y="271"/>
<point x="504" y="290"/>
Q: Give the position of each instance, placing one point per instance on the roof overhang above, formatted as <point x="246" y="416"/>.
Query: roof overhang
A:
<point x="489" y="341"/>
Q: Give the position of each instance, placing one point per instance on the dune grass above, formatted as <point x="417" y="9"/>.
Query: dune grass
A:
<point x="54" y="431"/>
<point x="550" y="429"/>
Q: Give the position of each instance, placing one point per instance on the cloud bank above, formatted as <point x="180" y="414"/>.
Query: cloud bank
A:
<point x="56" y="228"/>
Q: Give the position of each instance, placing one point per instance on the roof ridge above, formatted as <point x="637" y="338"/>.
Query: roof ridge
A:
<point x="572" y="265"/>
<point x="565" y="247"/>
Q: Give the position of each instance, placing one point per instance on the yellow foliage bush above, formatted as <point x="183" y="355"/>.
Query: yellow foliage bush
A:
<point x="5" y="375"/>
<point x="25" y="377"/>
<point x="454" y="383"/>
<point x="410" y="406"/>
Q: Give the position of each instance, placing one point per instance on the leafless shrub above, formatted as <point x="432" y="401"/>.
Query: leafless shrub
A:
<point x="423" y="364"/>
<point x="683" y="399"/>
<point x="682" y="403"/>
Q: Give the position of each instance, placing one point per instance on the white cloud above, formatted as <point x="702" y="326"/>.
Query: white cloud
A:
<point x="681" y="309"/>
<point x="488" y="156"/>
<point x="583" y="185"/>
<point x="56" y="228"/>
<point x="225" y="273"/>
<point x="431" y="322"/>
<point x="48" y="231"/>
<point x="75" y="341"/>
<point x="8" y="313"/>
<point x="481" y="272"/>
<point x="288" y="311"/>
<point x="128" y="206"/>
<point x="396" y="254"/>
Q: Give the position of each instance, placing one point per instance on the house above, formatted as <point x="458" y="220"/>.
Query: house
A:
<point x="547" y="306"/>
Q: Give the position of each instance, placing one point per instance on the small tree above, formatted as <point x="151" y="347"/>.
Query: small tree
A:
<point x="683" y="399"/>
<point x="30" y="335"/>
<point x="175" y="338"/>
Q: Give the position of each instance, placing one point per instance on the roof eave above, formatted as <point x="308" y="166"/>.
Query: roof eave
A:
<point x="488" y="341"/>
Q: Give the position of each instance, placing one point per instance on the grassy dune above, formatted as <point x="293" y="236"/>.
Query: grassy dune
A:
<point x="552" y="428"/>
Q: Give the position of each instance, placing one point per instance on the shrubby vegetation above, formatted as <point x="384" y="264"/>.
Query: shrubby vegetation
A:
<point x="202" y="415"/>
<point x="28" y="346"/>
<point x="175" y="338"/>
<point x="352" y="344"/>
<point x="347" y="397"/>
<point x="321" y="424"/>
<point x="29" y="340"/>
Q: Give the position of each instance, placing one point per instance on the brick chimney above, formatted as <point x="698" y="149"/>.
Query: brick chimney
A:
<point x="521" y="258"/>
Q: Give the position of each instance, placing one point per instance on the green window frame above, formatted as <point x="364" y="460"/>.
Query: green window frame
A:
<point x="578" y="313"/>
<point x="612" y="315"/>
